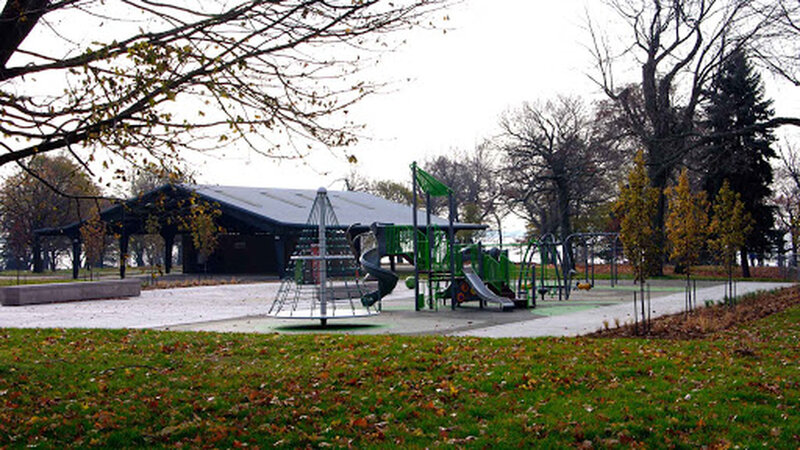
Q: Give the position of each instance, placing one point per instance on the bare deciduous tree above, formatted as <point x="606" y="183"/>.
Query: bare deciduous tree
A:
<point x="26" y="204"/>
<point x="473" y="176"/>
<point x="678" y="45"/>
<point x="555" y="163"/>
<point x="159" y="77"/>
<point x="781" y="54"/>
<point x="786" y="198"/>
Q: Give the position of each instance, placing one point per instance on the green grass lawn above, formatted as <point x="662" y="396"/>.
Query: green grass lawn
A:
<point x="146" y="388"/>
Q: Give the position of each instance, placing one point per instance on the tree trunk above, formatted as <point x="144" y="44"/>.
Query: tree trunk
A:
<point x="745" y="263"/>
<point x="499" y="230"/>
<point x="565" y="221"/>
<point x="18" y="18"/>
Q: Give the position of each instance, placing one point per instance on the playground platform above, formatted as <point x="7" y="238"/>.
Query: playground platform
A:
<point x="243" y="308"/>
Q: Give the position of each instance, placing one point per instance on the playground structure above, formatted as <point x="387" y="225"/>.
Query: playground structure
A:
<point x="484" y="280"/>
<point x="323" y="281"/>
<point x="561" y="258"/>
<point x="461" y="273"/>
<point x="491" y="276"/>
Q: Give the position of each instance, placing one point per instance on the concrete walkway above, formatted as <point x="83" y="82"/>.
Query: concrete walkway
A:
<point x="243" y="308"/>
<point x="153" y="309"/>
<point x="588" y="321"/>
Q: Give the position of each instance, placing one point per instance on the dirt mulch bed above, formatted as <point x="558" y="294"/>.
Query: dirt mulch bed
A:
<point x="704" y="322"/>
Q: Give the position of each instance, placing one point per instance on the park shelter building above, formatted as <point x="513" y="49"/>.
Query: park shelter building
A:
<point x="261" y="225"/>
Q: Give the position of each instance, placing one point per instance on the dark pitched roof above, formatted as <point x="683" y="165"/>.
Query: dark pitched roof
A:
<point x="292" y="206"/>
<point x="268" y="208"/>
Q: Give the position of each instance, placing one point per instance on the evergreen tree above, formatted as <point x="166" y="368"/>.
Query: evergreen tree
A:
<point x="736" y="102"/>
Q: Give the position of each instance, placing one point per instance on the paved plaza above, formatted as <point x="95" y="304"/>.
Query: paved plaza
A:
<point x="243" y="308"/>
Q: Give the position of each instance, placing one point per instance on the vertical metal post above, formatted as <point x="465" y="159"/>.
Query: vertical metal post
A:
<point x="480" y="261"/>
<point x="613" y="261"/>
<point x="415" y="232"/>
<point x="543" y="256"/>
<point x="561" y="289"/>
<point x="649" y="308"/>
<point x="585" y="260"/>
<point x="322" y="265"/>
<point x="592" y="262"/>
<point x="533" y="282"/>
<point x="686" y="296"/>
<point x="641" y="299"/>
<point x="452" y="241"/>
<point x="430" y="234"/>
<point x="481" y="272"/>
<point x="635" y="315"/>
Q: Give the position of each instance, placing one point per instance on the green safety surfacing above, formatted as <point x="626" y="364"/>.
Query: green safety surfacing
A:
<point x="636" y="288"/>
<point x="549" y="311"/>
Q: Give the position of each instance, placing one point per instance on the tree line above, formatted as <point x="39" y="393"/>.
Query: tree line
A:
<point x="277" y="78"/>
<point x="557" y="164"/>
<point x="92" y="91"/>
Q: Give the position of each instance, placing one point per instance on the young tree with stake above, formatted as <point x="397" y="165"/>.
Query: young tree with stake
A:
<point x="635" y="208"/>
<point x="729" y="228"/>
<point x="687" y="225"/>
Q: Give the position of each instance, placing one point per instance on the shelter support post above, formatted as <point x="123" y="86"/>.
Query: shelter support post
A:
<point x="76" y="257"/>
<point x="169" y="242"/>
<point x="280" y="255"/>
<point x="37" y="254"/>
<point x="124" y="239"/>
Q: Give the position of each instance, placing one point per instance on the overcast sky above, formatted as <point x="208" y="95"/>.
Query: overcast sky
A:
<point x="449" y="89"/>
<point x="495" y="55"/>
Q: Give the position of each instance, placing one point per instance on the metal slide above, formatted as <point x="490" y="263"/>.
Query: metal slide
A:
<point x="387" y="280"/>
<point x="483" y="291"/>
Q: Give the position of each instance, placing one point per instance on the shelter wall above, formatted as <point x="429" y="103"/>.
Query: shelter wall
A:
<point x="237" y="254"/>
